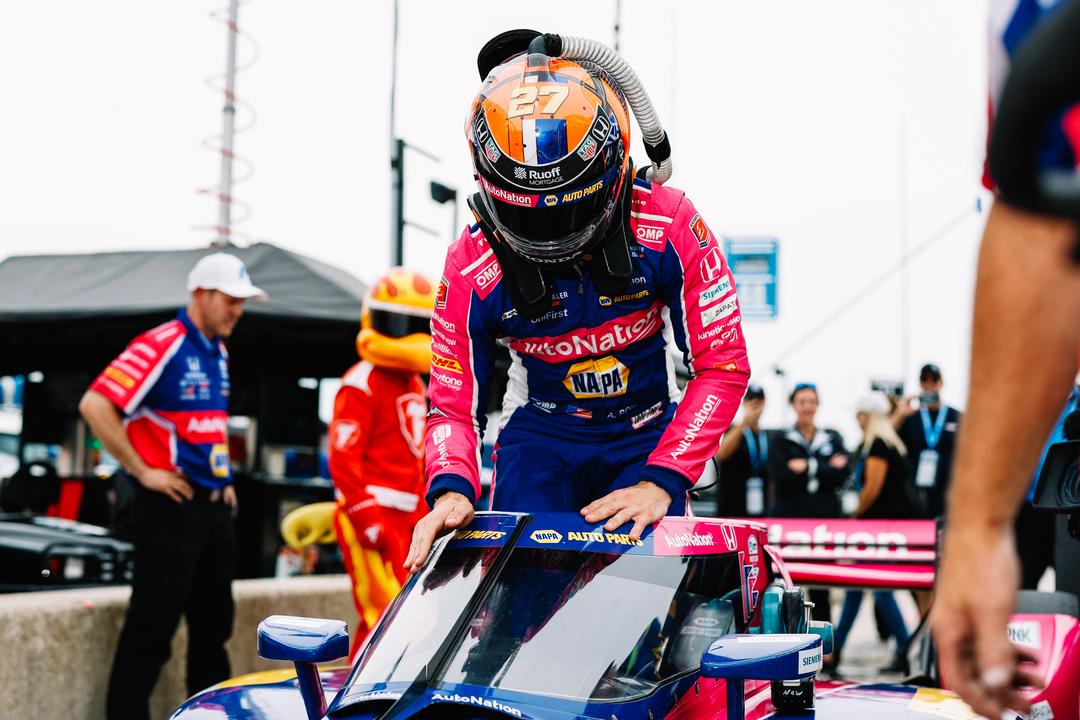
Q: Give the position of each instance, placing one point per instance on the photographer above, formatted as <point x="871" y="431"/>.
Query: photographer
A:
<point x="743" y="459"/>
<point x="929" y="433"/>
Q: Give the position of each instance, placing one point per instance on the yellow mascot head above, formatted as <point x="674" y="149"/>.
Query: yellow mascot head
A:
<point x="395" y="322"/>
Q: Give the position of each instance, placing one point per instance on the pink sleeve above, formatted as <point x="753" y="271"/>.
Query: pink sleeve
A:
<point x="462" y="362"/>
<point x="706" y="322"/>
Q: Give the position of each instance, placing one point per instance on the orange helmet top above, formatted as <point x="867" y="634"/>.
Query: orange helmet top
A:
<point x="395" y="322"/>
<point x="549" y="139"/>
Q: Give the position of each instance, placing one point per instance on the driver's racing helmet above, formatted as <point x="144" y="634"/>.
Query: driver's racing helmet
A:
<point x="395" y="322"/>
<point x="550" y="142"/>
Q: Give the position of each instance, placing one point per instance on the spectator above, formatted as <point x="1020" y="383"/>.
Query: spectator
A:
<point x="808" y="465"/>
<point x="886" y="492"/>
<point x="172" y="386"/>
<point x="743" y="460"/>
<point x="929" y="433"/>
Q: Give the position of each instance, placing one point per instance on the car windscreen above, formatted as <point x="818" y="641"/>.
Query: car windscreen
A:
<point x="416" y="626"/>
<point x="596" y="626"/>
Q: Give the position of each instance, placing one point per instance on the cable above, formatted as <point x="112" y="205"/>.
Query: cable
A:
<point x="875" y="283"/>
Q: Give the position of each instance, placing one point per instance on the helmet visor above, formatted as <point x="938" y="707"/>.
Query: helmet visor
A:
<point x="553" y="226"/>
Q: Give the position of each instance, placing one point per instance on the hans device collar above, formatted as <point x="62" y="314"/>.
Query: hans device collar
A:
<point x="530" y="285"/>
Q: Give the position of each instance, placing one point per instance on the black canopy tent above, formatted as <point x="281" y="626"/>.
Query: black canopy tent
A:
<point x="67" y="316"/>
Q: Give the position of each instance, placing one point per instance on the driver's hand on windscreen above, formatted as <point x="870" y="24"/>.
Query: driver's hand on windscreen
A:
<point x="644" y="504"/>
<point x="973" y="600"/>
<point x="452" y="510"/>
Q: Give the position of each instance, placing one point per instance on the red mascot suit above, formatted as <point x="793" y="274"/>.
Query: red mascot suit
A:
<point x="376" y="441"/>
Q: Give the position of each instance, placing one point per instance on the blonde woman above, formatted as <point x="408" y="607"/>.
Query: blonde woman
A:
<point x="887" y="492"/>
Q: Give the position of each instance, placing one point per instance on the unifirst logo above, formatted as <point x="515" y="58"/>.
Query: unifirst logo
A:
<point x="606" y="377"/>
<point x="697" y="422"/>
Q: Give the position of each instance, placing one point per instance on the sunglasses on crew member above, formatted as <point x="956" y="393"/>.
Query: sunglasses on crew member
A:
<point x="398" y="325"/>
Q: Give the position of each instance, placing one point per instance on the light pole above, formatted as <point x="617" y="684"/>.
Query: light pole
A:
<point x="443" y="194"/>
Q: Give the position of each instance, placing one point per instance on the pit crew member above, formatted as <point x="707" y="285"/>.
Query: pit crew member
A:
<point x="161" y="409"/>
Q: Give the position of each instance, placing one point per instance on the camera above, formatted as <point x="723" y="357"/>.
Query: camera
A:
<point x="1058" y="486"/>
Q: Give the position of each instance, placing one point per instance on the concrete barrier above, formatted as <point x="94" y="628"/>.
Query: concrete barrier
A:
<point x="56" y="648"/>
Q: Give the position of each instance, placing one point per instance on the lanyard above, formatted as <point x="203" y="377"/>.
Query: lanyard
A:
<point x="933" y="434"/>
<point x="758" y="447"/>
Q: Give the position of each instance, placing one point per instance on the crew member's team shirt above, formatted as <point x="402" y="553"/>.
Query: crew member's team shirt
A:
<point x="172" y="384"/>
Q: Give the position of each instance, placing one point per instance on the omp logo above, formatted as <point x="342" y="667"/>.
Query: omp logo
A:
<point x="688" y="539"/>
<point x="488" y="275"/>
<point x="715" y="292"/>
<point x="606" y="377"/>
<point x="479" y="535"/>
<point x="206" y="425"/>
<point x="697" y="422"/>
<point x="546" y="536"/>
<point x="612" y="335"/>
<point x="649" y="233"/>
<point x="717" y="313"/>
<point x="445" y="363"/>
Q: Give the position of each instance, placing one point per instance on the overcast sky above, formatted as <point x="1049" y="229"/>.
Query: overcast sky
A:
<point x="806" y="121"/>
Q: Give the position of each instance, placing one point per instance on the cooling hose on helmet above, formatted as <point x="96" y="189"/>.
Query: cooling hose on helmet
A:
<point x="657" y="146"/>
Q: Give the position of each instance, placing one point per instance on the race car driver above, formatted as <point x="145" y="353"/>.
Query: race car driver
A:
<point x="376" y="440"/>
<point x="578" y="267"/>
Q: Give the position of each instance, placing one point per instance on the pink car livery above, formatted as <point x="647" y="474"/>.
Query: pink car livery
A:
<point x="593" y="368"/>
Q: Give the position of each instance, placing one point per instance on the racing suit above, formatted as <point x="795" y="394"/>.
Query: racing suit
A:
<point x="591" y="402"/>
<point x="375" y="447"/>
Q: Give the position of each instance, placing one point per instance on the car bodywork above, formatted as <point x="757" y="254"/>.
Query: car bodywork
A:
<point x="545" y="616"/>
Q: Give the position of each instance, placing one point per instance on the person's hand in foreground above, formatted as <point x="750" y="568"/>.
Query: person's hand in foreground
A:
<point x="969" y="622"/>
<point x="452" y="510"/>
<point x="644" y="504"/>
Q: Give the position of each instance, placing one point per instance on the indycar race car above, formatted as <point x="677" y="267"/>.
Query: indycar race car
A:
<point x="545" y="616"/>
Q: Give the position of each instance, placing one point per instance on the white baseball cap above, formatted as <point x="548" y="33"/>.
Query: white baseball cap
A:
<point x="224" y="273"/>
